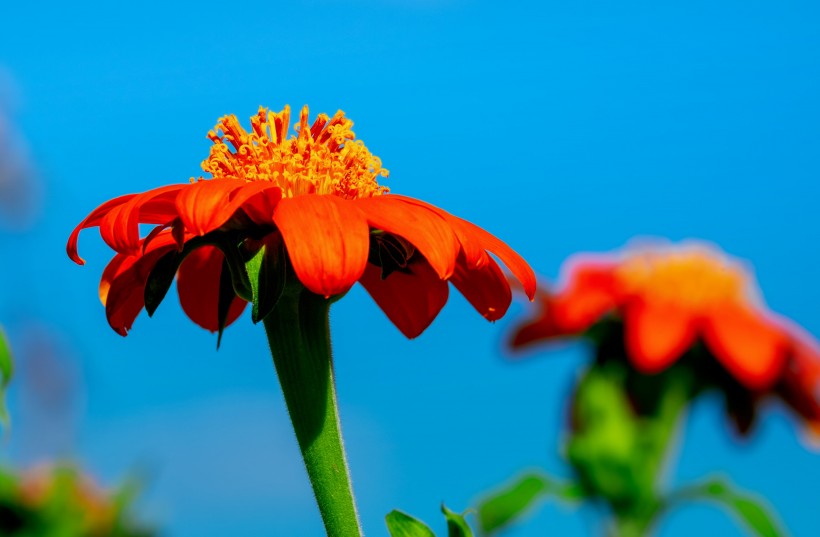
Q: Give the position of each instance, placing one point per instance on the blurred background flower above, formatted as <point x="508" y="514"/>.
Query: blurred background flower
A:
<point x="657" y="304"/>
<point x="57" y="501"/>
<point x="665" y="323"/>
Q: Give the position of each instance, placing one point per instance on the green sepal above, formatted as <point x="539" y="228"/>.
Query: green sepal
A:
<point x="456" y="524"/>
<point x="403" y="525"/>
<point x="267" y="274"/>
<point x="754" y="513"/>
<point x="511" y="503"/>
<point x="7" y="371"/>
<point x="160" y="280"/>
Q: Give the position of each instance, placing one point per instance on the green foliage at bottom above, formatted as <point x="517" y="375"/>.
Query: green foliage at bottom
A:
<point x="401" y="524"/>
<point x="61" y="502"/>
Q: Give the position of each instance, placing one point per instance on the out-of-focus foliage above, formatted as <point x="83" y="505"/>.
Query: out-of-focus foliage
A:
<point x="509" y="504"/>
<point x="622" y="426"/>
<point x="61" y="502"/>
<point x="748" y="509"/>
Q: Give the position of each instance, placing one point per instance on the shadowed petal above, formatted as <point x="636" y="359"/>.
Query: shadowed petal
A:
<point x="657" y="334"/>
<point x="411" y="301"/>
<point x="198" y="286"/>
<point x="260" y="206"/>
<point x="486" y="288"/>
<point x="800" y="386"/>
<point x="122" y="287"/>
<point x="750" y="346"/>
<point x="327" y="239"/>
<point x="424" y="229"/>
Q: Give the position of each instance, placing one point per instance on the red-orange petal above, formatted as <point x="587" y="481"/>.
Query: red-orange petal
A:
<point x="411" y="301"/>
<point x="750" y="346"/>
<point x="206" y="205"/>
<point x="92" y="220"/>
<point x="538" y="329"/>
<point x="327" y="239"/>
<point x="474" y="253"/>
<point x="657" y="334"/>
<point x="589" y="295"/>
<point x="486" y="288"/>
<point x="198" y="286"/>
<point x="520" y="269"/>
<point x="120" y="226"/>
<point x="423" y="228"/>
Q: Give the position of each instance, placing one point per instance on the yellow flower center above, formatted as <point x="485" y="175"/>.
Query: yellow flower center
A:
<point x="694" y="278"/>
<point x="324" y="158"/>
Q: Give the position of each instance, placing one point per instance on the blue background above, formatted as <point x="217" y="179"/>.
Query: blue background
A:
<point x="559" y="126"/>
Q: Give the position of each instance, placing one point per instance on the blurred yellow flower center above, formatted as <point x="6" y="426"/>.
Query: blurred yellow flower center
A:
<point x="693" y="278"/>
<point x="324" y="158"/>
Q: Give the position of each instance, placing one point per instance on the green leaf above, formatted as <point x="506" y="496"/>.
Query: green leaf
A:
<point x="754" y="513"/>
<point x="7" y="371"/>
<point x="267" y="272"/>
<point x="403" y="525"/>
<point x="456" y="525"/>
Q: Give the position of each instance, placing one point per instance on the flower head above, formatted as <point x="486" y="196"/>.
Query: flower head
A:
<point x="314" y="202"/>
<point x="670" y="300"/>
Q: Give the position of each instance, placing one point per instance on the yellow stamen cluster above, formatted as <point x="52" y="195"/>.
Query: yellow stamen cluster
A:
<point x="694" y="278"/>
<point x="324" y="158"/>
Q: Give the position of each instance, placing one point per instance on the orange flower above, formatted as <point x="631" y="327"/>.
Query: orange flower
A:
<point x="315" y="195"/>
<point x="670" y="297"/>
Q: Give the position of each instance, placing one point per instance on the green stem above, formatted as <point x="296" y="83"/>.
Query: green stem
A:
<point x="299" y="337"/>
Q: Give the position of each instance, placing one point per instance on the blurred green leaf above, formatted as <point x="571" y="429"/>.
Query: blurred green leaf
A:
<point x="7" y="371"/>
<point x="753" y="512"/>
<point x="456" y="525"/>
<point x="403" y="525"/>
<point x="511" y="502"/>
<point x="508" y="505"/>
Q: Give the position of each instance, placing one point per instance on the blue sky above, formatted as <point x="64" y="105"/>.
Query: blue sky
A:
<point x="560" y="127"/>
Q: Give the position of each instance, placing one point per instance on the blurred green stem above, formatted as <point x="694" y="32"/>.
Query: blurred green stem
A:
<point x="299" y="338"/>
<point x="638" y="518"/>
